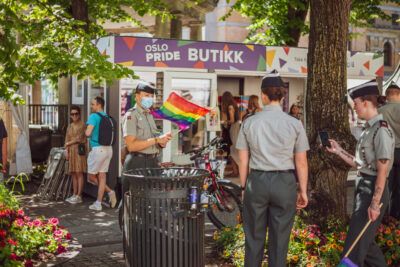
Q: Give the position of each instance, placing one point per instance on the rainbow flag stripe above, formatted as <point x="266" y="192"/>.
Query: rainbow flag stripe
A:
<point x="180" y="111"/>
<point x="346" y="262"/>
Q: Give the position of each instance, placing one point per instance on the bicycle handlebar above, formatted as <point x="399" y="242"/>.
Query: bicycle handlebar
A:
<point x="205" y="149"/>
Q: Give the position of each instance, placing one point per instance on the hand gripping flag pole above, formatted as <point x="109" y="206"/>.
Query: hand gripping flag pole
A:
<point x="346" y="262"/>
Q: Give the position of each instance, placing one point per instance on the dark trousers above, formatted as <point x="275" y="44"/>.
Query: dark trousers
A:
<point x="134" y="162"/>
<point x="269" y="202"/>
<point x="366" y="252"/>
<point x="394" y="186"/>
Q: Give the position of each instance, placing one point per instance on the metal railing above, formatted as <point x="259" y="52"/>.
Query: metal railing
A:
<point x="53" y="116"/>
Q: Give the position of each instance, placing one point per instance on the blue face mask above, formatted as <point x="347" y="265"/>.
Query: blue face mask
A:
<point x="147" y="102"/>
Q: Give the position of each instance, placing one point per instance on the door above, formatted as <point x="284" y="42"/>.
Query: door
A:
<point x="200" y="89"/>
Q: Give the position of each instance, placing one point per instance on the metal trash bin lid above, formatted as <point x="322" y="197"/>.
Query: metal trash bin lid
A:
<point x="166" y="174"/>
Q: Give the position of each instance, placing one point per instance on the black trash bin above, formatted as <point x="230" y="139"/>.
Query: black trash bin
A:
<point x="159" y="228"/>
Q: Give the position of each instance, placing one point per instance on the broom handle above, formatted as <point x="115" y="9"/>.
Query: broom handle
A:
<point x="359" y="235"/>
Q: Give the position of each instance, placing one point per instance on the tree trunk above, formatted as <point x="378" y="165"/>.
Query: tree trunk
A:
<point x="326" y="109"/>
<point x="79" y="11"/>
<point x="296" y="14"/>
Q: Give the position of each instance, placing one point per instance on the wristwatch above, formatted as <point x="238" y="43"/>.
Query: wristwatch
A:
<point x="243" y="188"/>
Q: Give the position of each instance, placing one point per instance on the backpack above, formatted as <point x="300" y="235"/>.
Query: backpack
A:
<point x="107" y="130"/>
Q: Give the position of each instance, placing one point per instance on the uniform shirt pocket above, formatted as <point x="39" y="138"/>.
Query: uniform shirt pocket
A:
<point x="139" y="131"/>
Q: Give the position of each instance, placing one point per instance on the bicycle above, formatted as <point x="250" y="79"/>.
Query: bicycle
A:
<point x="225" y="196"/>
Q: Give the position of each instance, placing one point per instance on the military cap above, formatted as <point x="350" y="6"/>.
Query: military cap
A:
<point x="368" y="88"/>
<point x="393" y="85"/>
<point x="145" y="86"/>
<point x="272" y="79"/>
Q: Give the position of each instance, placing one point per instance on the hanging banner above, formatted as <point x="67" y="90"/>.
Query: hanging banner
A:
<point x="135" y="51"/>
<point x="294" y="60"/>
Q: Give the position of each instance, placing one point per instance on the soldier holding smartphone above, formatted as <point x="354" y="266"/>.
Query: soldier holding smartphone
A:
<point x="373" y="159"/>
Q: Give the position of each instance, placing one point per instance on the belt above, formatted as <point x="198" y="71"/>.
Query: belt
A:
<point x="364" y="174"/>
<point x="277" y="171"/>
<point x="144" y="155"/>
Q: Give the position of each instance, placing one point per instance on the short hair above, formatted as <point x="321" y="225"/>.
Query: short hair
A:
<point x="274" y="93"/>
<point x="392" y="91"/>
<point x="99" y="101"/>
<point x="75" y="107"/>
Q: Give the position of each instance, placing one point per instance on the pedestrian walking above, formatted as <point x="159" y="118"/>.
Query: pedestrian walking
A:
<point x="391" y="114"/>
<point x="75" y="153"/>
<point x="140" y="133"/>
<point x="373" y="160"/>
<point x="100" y="156"/>
<point x="277" y="144"/>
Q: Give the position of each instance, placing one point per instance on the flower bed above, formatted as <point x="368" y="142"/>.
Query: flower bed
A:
<point x="25" y="242"/>
<point x="308" y="246"/>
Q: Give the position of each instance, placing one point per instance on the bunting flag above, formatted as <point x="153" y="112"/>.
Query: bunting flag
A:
<point x="180" y="111"/>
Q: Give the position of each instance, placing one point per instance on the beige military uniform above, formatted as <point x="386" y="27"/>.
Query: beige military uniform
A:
<point x="376" y="142"/>
<point x="391" y="114"/>
<point x="140" y="123"/>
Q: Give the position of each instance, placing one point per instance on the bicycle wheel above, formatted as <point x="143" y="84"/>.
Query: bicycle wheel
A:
<point x="226" y="211"/>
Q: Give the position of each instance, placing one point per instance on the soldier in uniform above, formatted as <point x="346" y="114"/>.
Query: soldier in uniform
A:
<point x="140" y="133"/>
<point x="391" y="114"/>
<point x="373" y="159"/>
<point x="277" y="144"/>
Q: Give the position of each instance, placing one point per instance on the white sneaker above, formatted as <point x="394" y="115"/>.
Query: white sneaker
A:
<point x="113" y="199"/>
<point x="71" y="198"/>
<point x="95" y="207"/>
<point x="76" y="200"/>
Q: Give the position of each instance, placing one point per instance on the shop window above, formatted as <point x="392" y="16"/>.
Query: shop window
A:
<point x="395" y="19"/>
<point x="387" y="51"/>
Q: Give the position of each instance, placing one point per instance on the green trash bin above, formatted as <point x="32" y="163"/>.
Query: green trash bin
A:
<point x="160" y="229"/>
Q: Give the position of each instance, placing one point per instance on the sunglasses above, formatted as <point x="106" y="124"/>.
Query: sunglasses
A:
<point x="74" y="114"/>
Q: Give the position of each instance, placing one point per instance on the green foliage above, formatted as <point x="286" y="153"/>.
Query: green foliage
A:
<point x="270" y="21"/>
<point x="20" y="179"/>
<point x="8" y="198"/>
<point x="40" y="38"/>
<point x="273" y="21"/>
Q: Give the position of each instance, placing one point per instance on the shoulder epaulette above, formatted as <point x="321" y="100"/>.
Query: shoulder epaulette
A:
<point x="383" y="123"/>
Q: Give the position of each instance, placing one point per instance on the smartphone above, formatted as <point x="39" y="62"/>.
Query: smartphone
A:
<point x="323" y="137"/>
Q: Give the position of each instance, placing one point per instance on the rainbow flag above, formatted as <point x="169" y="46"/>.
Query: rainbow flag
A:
<point x="180" y="111"/>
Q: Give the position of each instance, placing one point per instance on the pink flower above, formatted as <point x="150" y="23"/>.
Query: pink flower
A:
<point x="58" y="233"/>
<point x="26" y="218"/>
<point x="2" y="244"/>
<point x="53" y="221"/>
<point x="28" y="263"/>
<point x="47" y="242"/>
<point x="311" y="235"/>
<point x="68" y="236"/>
<point x="61" y="249"/>
<point x="37" y="222"/>
<point x="29" y="223"/>
<point x="20" y="222"/>
<point x="59" y="240"/>
<point x="13" y="257"/>
<point x="21" y="212"/>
